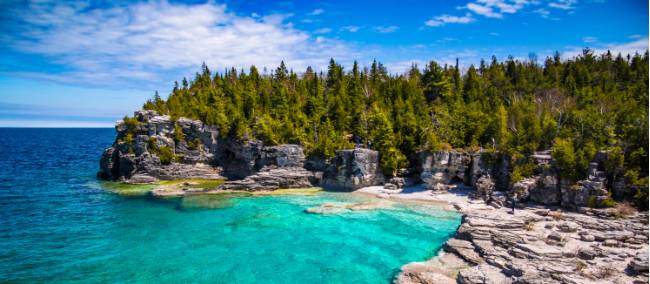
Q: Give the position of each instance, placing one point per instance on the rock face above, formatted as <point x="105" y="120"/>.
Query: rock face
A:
<point x="485" y="187"/>
<point x="353" y="169"/>
<point x="440" y="169"/>
<point x="546" y="189"/>
<point x="143" y="140"/>
<point x="444" y="167"/>
<point x="151" y="147"/>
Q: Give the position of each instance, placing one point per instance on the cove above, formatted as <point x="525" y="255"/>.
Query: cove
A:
<point x="59" y="224"/>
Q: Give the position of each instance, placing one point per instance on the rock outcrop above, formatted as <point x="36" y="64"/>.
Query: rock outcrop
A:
<point x="353" y="169"/>
<point x="146" y="148"/>
<point x="442" y="168"/>
<point x="151" y="147"/>
<point x="439" y="170"/>
<point x="485" y="187"/>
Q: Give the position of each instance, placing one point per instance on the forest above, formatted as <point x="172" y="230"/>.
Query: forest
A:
<point x="575" y="107"/>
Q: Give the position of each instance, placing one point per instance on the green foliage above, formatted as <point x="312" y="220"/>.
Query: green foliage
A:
<point x="592" y="201"/>
<point x="131" y="123"/>
<point x="521" y="170"/>
<point x="615" y="160"/>
<point x="577" y="106"/>
<point x="641" y="197"/>
<point x="608" y="202"/>
<point x="565" y="160"/>
<point x="165" y="154"/>
<point x="632" y="179"/>
<point x="178" y="133"/>
<point x="193" y="144"/>
<point x="128" y="138"/>
<point x="131" y="126"/>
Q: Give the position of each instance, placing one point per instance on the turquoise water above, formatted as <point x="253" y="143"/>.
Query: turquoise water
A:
<point x="58" y="224"/>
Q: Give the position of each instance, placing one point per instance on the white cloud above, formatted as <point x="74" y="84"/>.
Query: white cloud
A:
<point x="316" y="12"/>
<point x="496" y="8"/>
<point x="386" y="29"/>
<point x="323" y="31"/>
<point x="563" y="4"/>
<point x="494" y="34"/>
<point x="352" y="29"/>
<point x="637" y="46"/>
<point x="543" y="12"/>
<point x="160" y="41"/>
<point x="589" y="39"/>
<point x="446" y="40"/>
<point x="447" y="19"/>
<point x="483" y="10"/>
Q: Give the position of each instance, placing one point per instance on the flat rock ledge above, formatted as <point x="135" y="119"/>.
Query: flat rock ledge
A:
<point x="266" y="179"/>
<point x="536" y="245"/>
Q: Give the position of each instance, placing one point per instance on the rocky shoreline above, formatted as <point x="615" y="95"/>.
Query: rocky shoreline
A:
<point x="536" y="244"/>
<point x="554" y="236"/>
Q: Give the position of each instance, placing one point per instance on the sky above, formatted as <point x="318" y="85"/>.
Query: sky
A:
<point x="86" y="64"/>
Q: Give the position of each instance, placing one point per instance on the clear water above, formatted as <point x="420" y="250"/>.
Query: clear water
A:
<point x="58" y="224"/>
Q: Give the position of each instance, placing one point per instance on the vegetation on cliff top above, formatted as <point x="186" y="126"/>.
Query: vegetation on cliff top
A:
<point x="575" y="106"/>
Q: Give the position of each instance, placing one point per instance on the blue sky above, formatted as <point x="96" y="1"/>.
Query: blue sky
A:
<point x="88" y="63"/>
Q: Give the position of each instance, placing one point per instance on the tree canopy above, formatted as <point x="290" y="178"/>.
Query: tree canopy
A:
<point x="517" y="107"/>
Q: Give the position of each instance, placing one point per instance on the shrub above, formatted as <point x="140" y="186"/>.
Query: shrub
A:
<point x="603" y="272"/>
<point x="445" y="147"/>
<point x="641" y="198"/>
<point x="608" y="202"/>
<point x="592" y="201"/>
<point x="521" y="170"/>
<point x="128" y="139"/>
<point x="193" y="144"/>
<point x="565" y="159"/>
<point x="625" y="209"/>
<point x="178" y="133"/>
<point x="152" y="143"/>
<point x="131" y="123"/>
<point x="580" y="265"/>
<point x="165" y="154"/>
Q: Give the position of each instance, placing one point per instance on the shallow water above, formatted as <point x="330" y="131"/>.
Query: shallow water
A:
<point x="58" y="223"/>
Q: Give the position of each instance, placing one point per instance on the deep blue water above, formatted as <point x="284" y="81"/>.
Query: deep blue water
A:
<point x="59" y="224"/>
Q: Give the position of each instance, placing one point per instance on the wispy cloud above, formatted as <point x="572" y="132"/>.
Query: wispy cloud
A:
<point x="352" y="29"/>
<point x="589" y="39"/>
<point x="154" y="41"/>
<point x="316" y="12"/>
<point x="386" y="29"/>
<point x="447" y="19"/>
<point x="563" y="4"/>
<point x="323" y="31"/>
<point x="486" y="8"/>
